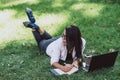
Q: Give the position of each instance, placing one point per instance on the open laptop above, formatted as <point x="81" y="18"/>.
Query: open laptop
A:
<point x="101" y="61"/>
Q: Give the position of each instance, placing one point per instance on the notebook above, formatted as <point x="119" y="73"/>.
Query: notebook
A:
<point x="100" y="61"/>
<point x="58" y="72"/>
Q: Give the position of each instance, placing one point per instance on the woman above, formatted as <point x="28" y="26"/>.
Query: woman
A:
<point x="68" y="48"/>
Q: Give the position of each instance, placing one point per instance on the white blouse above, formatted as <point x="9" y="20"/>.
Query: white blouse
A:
<point x="57" y="51"/>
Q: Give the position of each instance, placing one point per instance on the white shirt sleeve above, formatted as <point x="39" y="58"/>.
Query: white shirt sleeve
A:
<point x="83" y="44"/>
<point x="53" y="50"/>
<point x="55" y="55"/>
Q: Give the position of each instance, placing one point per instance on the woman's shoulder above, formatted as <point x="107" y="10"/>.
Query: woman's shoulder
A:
<point x="59" y="39"/>
<point x="56" y="44"/>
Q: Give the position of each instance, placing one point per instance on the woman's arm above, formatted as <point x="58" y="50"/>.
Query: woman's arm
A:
<point x="77" y="62"/>
<point x="61" y="67"/>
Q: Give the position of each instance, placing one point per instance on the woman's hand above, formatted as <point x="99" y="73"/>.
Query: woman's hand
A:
<point x="67" y="67"/>
<point x="75" y="63"/>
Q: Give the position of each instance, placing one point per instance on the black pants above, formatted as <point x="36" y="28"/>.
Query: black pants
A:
<point x="43" y="40"/>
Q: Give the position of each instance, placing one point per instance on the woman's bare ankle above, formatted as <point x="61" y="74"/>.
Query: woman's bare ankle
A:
<point x="41" y="31"/>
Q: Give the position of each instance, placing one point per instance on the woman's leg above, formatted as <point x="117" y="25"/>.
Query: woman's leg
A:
<point x="44" y="43"/>
<point x="40" y="35"/>
<point x="44" y="34"/>
<point x="38" y="31"/>
<point x="37" y="36"/>
<point x="42" y="38"/>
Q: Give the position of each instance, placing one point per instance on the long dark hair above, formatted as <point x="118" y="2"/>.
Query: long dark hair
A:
<point x="73" y="38"/>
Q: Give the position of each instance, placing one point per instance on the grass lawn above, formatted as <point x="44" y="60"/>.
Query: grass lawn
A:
<point x="20" y="58"/>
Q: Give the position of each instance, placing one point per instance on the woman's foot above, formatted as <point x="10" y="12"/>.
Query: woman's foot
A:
<point x="30" y="15"/>
<point x="31" y="25"/>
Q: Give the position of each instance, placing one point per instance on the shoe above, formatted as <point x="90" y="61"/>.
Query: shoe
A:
<point x="31" y="25"/>
<point x="27" y="24"/>
<point x="30" y="15"/>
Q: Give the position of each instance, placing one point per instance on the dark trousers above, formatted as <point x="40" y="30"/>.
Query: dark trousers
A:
<point x="43" y="40"/>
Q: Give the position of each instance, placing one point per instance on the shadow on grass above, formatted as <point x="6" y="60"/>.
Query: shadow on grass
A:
<point x="19" y="59"/>
<point x="44" y="6"/>
<point x="6" y="1"/>
<point x="20" y="47"/>
<point x="105" y="1"/>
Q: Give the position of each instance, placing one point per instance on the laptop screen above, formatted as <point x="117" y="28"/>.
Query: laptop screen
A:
<point x="104" y="60"/>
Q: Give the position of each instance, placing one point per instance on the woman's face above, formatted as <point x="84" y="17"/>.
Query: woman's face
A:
<point x="64" y="38"/>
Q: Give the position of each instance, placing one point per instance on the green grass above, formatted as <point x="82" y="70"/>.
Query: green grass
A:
<point x="20" y="58"/>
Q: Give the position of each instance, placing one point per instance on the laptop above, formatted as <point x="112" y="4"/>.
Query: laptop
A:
<point x="100" y="61"/>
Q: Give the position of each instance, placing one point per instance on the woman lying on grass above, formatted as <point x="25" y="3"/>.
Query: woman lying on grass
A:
<point x="66" y="48"/>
